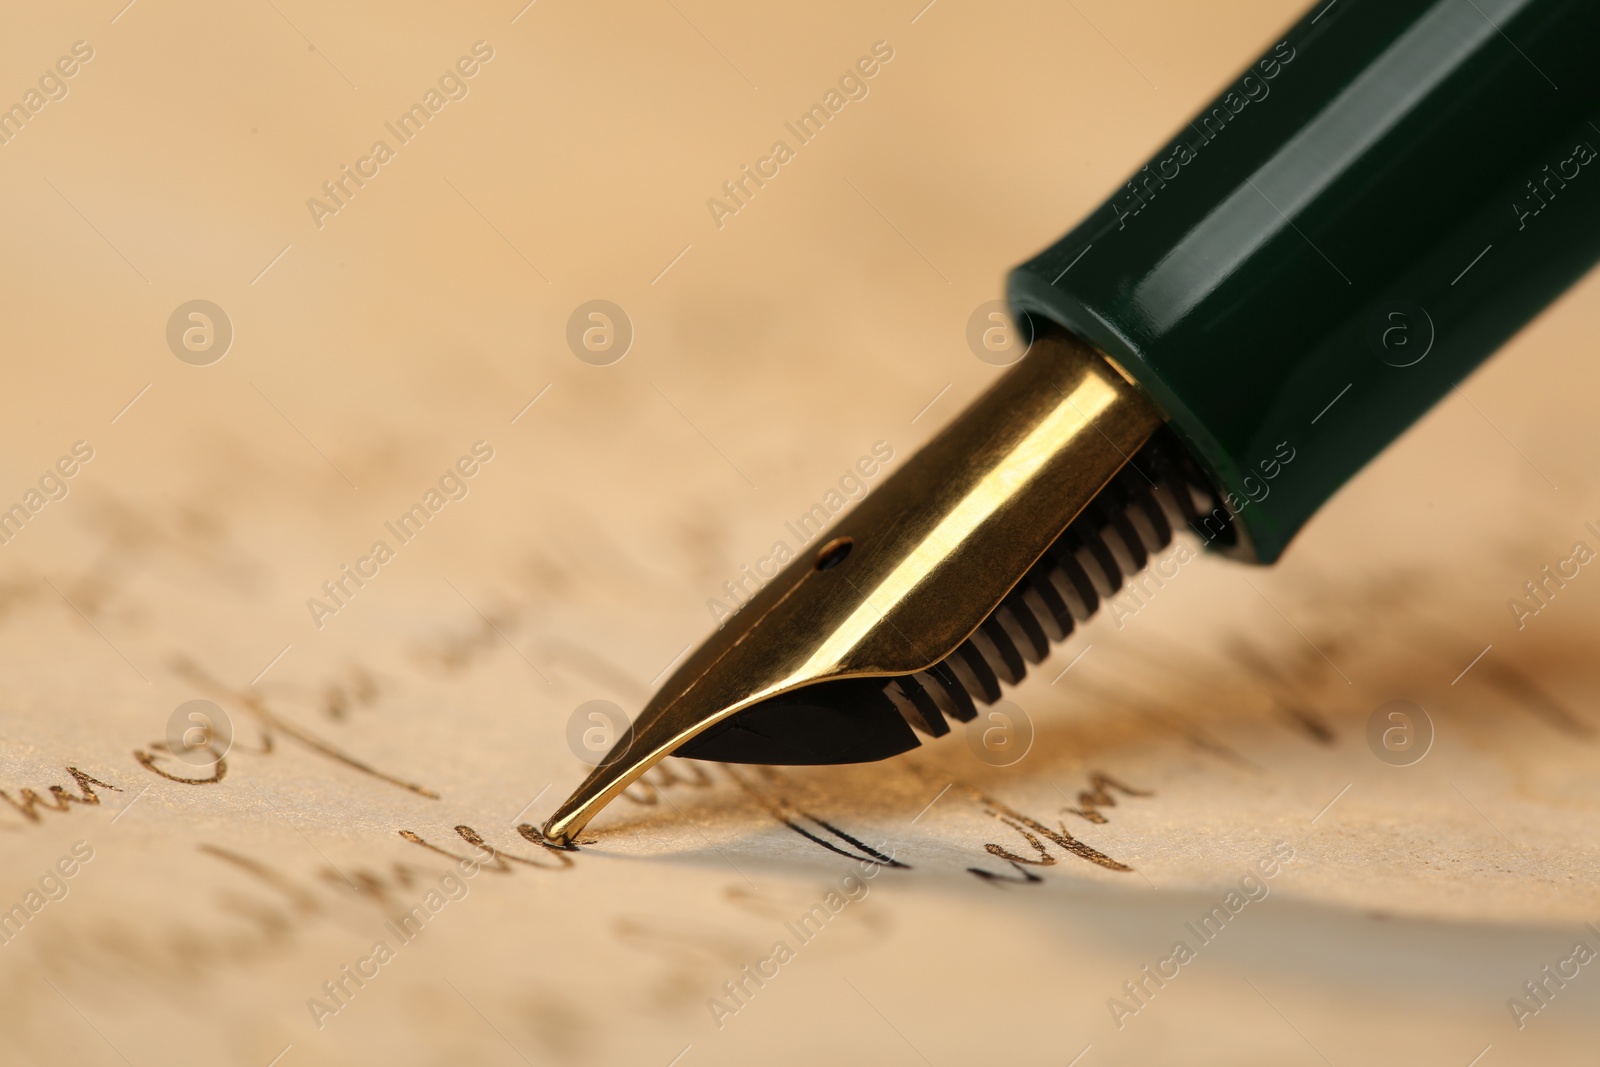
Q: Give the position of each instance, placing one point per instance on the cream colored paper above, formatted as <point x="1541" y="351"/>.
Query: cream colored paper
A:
<point x="1221" y="719"/>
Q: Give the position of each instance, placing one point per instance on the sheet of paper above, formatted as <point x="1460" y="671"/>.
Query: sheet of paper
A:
<point x="398" y="533"/>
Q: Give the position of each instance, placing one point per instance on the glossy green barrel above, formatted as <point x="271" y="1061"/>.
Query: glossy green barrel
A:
<point x="1364" y="215"/>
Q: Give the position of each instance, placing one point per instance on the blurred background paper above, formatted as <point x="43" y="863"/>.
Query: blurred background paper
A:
<point x="416" y="325"/>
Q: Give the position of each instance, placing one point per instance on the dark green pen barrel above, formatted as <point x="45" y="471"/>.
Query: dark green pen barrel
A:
<point x="1360" y="219"/>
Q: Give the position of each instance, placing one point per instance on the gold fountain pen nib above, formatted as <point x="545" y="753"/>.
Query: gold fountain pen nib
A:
<point x="814" y="669"/>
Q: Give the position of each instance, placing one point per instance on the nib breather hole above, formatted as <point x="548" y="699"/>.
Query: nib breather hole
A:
<point x="833" y="553"/>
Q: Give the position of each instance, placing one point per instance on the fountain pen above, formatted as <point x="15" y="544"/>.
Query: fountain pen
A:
<point x="1361" y="217"/>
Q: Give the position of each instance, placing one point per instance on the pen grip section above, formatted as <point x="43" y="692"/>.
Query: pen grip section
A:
<point x="1365" y="214"/>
